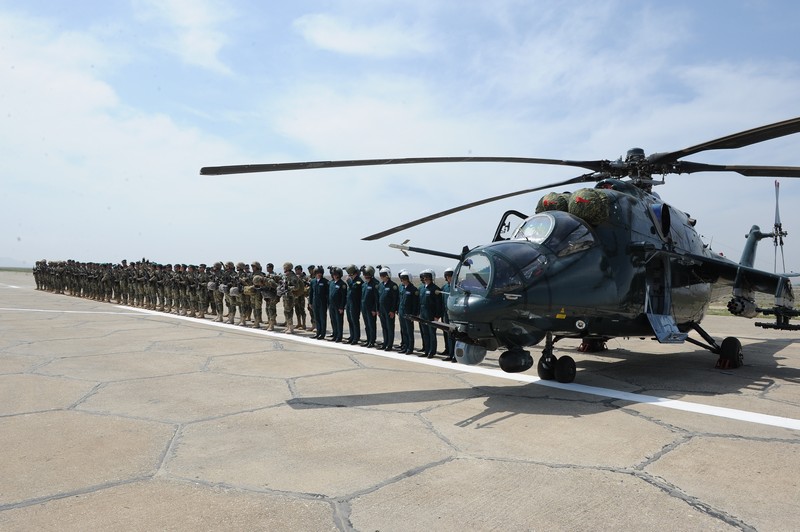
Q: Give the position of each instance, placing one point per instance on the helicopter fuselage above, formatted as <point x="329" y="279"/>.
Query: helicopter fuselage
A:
<point x="559" y="273"/>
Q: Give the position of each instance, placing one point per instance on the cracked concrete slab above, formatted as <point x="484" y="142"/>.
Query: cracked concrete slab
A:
<point x="32" y="393"/>
<point x="121" y="419"/>
<point x="282" y="364"/>
<point x="53" y="453"/>
<point x="171" y="505"/>
<point x="543" y="431"/>
<point x="123" y="366"/>
<point x="471" y="494"/>
<point x="757" y="481"/>
<point x="326" y="451"/>
<point x="186" y="397"/>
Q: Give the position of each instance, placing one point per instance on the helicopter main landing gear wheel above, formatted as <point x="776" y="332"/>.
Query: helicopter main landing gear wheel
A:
<point x="730" y="354"/>
<point x="546" y="368"/>
<point x="565" y="369"/>
<point x="551" y="367"/>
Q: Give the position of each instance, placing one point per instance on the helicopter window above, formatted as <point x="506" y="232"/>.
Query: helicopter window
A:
<point x="562" y="233"/>
<point x="578" y="239"/>
<point x="505" y="277"/>
<point x="527" y="258"/>
<point x="536" y="228"/>
<point x="474" y="274"/>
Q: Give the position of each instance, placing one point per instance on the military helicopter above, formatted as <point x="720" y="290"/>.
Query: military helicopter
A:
<point x="613" y="260"/>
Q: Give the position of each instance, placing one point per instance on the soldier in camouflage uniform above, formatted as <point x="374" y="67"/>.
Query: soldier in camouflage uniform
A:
<point x="191" y="291"/>
<point x="152" y="289"/>
<point x="242" y="301"/>
<point x="293" y="288"/>
<point x="219" y="296"/>
<point x="201" y="278"/>
<point x="159" y="287"/>
<point x="256" y="299"/>
<point x="300" y="298"/>
<point x="139" y="281"/>
<point x="175" y="280"/>
<point x="309" y="279"/>
<point x="231" y="283"/>
<point x="271" y="283"/>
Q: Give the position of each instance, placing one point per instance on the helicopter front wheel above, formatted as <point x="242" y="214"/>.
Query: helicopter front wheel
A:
<point x="546" y="368"/>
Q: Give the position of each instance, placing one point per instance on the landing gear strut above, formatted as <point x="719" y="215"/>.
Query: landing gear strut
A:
<point x="551" y="367"/>
<point x="730" y="352"/>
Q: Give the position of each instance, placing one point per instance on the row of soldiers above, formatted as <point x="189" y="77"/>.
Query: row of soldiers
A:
<point x="224" y="290"/>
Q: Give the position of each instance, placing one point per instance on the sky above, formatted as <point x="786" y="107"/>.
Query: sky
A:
<point x="110" y="109"/>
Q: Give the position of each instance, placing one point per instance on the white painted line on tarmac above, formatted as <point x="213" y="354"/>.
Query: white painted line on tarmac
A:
<point x="686" y="406"/>
<point x="7" y="309"/>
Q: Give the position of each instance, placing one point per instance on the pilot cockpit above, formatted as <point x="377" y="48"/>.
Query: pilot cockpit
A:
<point x="508" y="266"/>
<point x="560" y="232"/>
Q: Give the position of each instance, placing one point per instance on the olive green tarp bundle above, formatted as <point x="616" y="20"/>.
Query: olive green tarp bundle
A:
<point x="590" y="204"/>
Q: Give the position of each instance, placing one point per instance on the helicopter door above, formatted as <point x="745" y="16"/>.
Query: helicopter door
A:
<point x="658" y="301"/>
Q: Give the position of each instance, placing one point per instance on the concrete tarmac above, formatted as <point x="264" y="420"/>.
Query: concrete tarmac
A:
<point x="113" y="418"/>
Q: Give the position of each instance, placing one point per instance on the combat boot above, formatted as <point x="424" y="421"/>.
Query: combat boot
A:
<point x="271" y="325"/>
<point x="231" y="316"/>
<point x="289" y="328"/>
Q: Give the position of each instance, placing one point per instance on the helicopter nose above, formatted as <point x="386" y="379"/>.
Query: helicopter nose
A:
<point x="493" y="277"/>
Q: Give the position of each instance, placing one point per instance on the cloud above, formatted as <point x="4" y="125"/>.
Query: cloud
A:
<point x="380" y="40"/>
<point x="190" y="29"/>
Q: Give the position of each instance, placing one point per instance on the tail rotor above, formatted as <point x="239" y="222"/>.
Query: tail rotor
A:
<point x="778" y="233"/>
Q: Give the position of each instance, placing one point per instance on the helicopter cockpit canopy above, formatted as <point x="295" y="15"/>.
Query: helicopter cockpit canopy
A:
<point x="560" y="232"/>
<point x="510" y="265"/>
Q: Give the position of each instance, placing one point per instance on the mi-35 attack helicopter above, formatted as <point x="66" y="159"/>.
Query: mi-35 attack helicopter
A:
<point x="609" y="261"/>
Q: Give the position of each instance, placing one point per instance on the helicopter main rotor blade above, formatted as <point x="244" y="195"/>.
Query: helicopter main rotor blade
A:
<point x="579" y="179"/>
<point x="737" y="140"/>
<point x="595" y="166"/>
<point x="688" y="167"/>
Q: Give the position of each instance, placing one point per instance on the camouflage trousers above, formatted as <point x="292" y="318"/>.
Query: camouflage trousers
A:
<point x="232" y="302"/>
<point x="272" y="308"/>
<point x="300" y="309"/>
<point x="219" y="299"/>
<point x="288" y="309"/>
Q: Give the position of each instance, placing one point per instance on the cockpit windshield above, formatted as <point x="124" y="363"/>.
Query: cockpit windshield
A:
<point x="562" y="233"/>
<point x="474" y="274"/>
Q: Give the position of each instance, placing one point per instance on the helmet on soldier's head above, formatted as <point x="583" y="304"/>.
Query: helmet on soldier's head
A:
<point x="404" y="273"/>
<point x="298" y="268"/>
<point x="270" y="265"/>
<point x="319" y="269"/>
<point x="229" y="264"/>
<point x="369" y="270"/>
<point x="385" y="271"/>
<point x="217" y="265"/>
<point x="448" y="271"/>
<point x="351" y="270"/>
<point x="287" y="266"/>
<point x="256" y="265"/>
<point x="258" y="280"/>
<point x="240" y="265"/>
<point x="426" y="273"/>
